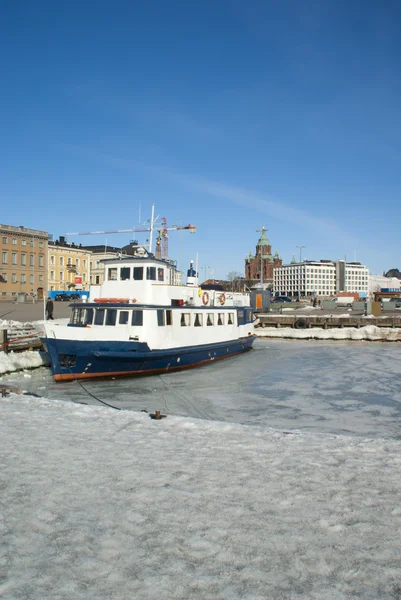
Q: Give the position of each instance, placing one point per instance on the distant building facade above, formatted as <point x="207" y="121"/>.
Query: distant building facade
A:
<point x="68" y="266"/>
<point x="260" y="267"/>
<point x="99" y="253"/>
<point x="23" y="268"/>
<point x="321" y="278"/>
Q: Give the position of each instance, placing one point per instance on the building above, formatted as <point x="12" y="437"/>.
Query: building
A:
<point x="321" y="278"/>
<point x="260" y="268"/>
<point x="68" y="266"/>
<point x="99" y="253"/>
<point x="379" y="282"/>
<point x="23" y="262"/>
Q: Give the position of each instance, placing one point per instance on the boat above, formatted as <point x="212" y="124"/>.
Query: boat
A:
<point x="143" y="320"/>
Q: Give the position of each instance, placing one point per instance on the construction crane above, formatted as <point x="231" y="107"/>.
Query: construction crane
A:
<point x="162" y="229"/>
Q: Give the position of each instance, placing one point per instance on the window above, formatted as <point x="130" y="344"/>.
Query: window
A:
<point x="40" y="277"/>
<point x="13" y="258"/>
<point x="169" y="317"/>
<point x="4" y="257"/>
<point x="112" y="274"/>
<point x="97" y="279"/>
<point x="40" y="244"/>
<point x="31" y="278"/>
<point x="23" y="242"/>
<point x="23" y="278"/>
<point x="160" y="274"/>
<point x="32" y="260"/>
<point x="77" y="262"/>
<point x="231" y="318"/>
<point x="241" y="317"/>
<point x="138" y="273"/>
<point x="52" y="259"/>
<point x="123" y="317"/>
<point x="160" y="318"/>
<point x="61" y="275"/>
<point x="137" y="318"/>
<point x="23" y="259"/>
<point x="185" y="319"/>
<point x="84" y="277"/>
<point x="14" y="241"/>
<point x="125" y="273"/>
<point x="220" y="319"/>
<point x="198" y="320"/>
<point x="41" y="260"/>
<point x="61" y="261"/>
<point x="4" y="277"/>
<point x="51" y="275"/>
<point x="111" y="316"/>
<point x="31" y="243"/>
<point x="210" y="319"/>
<point x="249" y="317"/>
<point x="88" y="316"/>
<point x="4" y="240"/>
<point x="99" y="316"/>
<point x="84" y="263"/>
<point x="14" y="277"/>
<point x="151" y="273"/>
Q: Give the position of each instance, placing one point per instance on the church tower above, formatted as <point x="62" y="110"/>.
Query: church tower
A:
<point x="260" y="267"/>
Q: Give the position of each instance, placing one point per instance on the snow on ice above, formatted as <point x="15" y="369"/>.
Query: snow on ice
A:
<point x="104" y="504"/>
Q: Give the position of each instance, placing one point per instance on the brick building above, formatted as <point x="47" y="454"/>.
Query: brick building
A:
<point x="259" y="268"/>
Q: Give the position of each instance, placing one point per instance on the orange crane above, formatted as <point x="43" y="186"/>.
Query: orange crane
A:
<point x="162" y="230"/>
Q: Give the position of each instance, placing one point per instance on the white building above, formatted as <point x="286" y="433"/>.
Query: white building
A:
<point x="321" y="278"/>
<point x="378" y="282"/>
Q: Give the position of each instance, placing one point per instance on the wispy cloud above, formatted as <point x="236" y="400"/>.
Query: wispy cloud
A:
<point x="251" y="199"/>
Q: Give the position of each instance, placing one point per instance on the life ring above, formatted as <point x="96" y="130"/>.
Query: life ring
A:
<point x="301" y="324"/>
<point x="205" y="298"/>
<point x="222" y="299"/>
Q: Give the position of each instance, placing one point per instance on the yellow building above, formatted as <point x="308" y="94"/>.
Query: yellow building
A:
<point x="23" y="268"/>
<point x="67" y="263"/>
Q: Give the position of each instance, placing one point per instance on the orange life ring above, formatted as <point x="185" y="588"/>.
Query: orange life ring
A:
<point x="222" y="299"/>
<point x="205" y="298"/>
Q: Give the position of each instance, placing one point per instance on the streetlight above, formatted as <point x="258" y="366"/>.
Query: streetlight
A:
<point x="300" y="252"/>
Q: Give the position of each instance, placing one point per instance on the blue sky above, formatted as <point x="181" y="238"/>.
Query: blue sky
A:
<point x="226" y="114"/>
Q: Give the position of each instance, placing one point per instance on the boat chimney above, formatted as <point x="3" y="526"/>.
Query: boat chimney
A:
<point x="192" y="276"/>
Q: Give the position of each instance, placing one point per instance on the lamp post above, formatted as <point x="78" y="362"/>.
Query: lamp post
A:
<point x="300" y="252"/>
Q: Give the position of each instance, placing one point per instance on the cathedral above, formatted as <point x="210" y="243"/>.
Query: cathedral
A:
<point x="260" y="267"/>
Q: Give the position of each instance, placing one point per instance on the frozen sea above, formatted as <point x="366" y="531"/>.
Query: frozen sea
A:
<point x="276" y="475"/>
<point x="351" y="388"/>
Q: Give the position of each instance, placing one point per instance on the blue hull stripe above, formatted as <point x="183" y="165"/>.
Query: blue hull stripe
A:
<point x="71" y="359"/>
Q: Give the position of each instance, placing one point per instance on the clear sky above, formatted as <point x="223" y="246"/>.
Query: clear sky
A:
<point x="226" y="114"/>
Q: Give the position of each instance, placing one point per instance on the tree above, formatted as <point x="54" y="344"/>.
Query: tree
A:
<point x="393" y="273"/>
<point x="235" y="281"/>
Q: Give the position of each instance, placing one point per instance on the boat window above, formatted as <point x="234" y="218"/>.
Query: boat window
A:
<point x="160" y="318"/>
<point x="99" y="316"/>
<point x="88" y="316"/>
<point x="185" y="319"/>
<point x="137" y="318"/>
<point x="138" y="273"/>
<point x="249" y="317"/>
<point x="198" y="320"/>
<point x="210" y="319"/>
<point x="151" y="273"/>
<point x="76" y="316"/>
<point x="241" y="317"/>
<point x="112" y="274"/>
<point x="123" y="317"/>
<point x="220" y="319"/>
<point x="125" y="273"/>
<point x="231" y="318"/>
<point x="169" y="317"/>
<point x="111" y="316"/>
<point x="160" y="274"/>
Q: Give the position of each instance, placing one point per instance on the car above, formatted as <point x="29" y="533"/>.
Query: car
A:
<point x="281" y="299"/>
<point x="66" y="297"/>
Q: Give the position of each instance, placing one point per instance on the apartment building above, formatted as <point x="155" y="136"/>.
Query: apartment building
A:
<point x="23" y="268"/>
<point x="68" y="266"/>
<point x="323" y="278"/>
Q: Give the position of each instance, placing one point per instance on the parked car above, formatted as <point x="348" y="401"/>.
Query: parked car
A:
<point x="281" y="299"/>
<point x="66" y="297"/>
